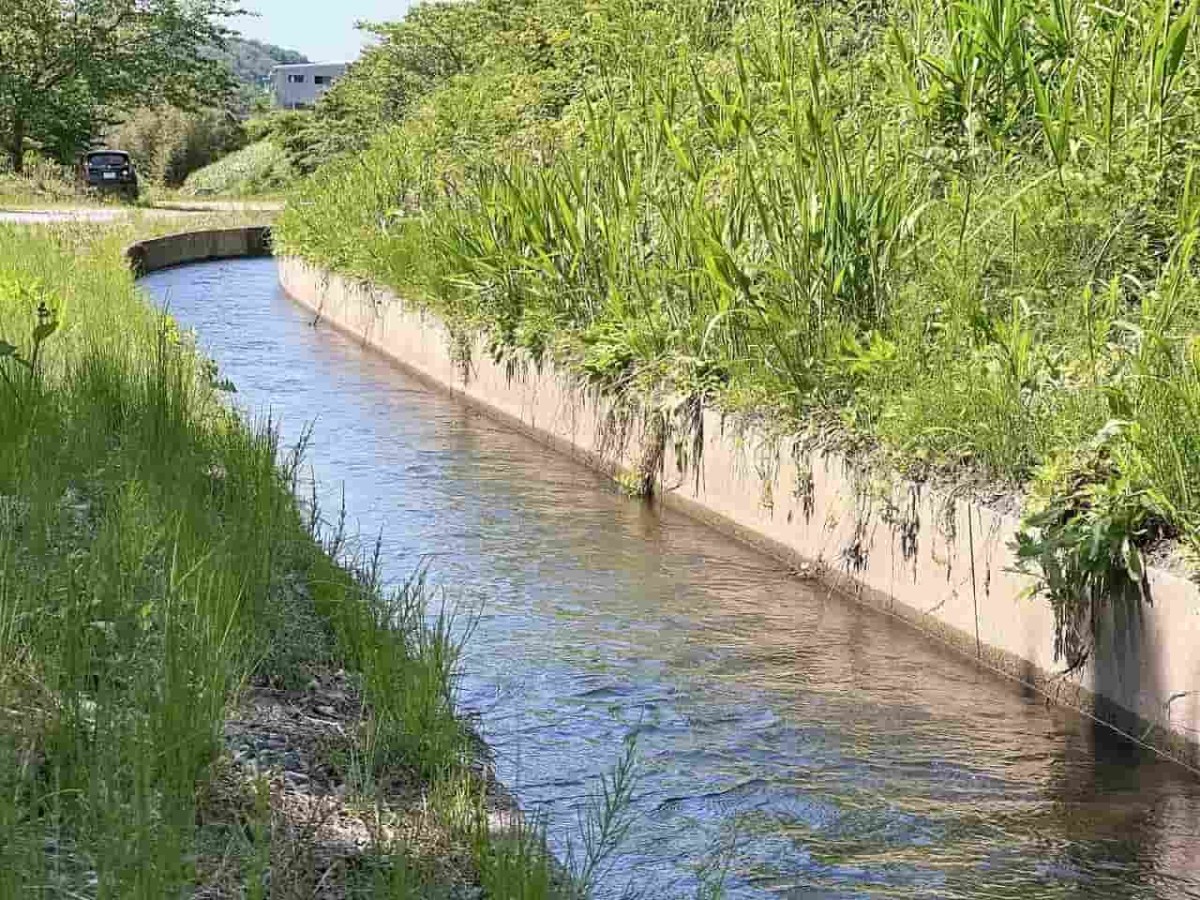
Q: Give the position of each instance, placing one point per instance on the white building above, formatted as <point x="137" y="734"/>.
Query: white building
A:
<point x="300" y="86"/>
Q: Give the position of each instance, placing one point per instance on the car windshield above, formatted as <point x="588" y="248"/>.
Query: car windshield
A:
<point x="107" y="159"/>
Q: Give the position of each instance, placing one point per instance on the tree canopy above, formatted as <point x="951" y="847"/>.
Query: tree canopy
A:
<point x="65" y="65"/>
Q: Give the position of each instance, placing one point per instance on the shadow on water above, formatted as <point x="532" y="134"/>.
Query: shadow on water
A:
<point x="851" y="757"/>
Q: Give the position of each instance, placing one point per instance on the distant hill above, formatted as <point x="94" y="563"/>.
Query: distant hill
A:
<point x="251" y="63"/>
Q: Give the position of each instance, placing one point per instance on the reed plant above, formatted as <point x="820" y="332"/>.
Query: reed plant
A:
<point x="937" y="229"/>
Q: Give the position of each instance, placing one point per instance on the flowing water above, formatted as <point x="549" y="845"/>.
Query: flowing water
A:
<point x="812" y="747"/>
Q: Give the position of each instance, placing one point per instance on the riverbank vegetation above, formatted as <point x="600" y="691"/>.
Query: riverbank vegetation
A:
<point x="170" y="85"/>
<point x="194" y="696"/>
<point x="958" y="235"/>
<point x="260" y="169"/>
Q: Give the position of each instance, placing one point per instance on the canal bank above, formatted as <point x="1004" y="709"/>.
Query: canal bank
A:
<point x="942" y="563"/>
<point x="817" y="746"/>
<point x="198" y="694"/>
<point x="181" y="248"/>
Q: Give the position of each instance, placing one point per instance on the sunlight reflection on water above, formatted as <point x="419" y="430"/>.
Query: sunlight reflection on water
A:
<point x="837" y="753"/>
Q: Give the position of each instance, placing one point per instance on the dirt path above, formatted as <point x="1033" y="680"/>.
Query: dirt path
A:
<point x="113" y="214"/>
<point x="46" y="216"/>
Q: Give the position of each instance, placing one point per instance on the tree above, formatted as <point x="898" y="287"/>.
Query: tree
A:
<point x="550" y="44"/>
<point x="168" y="144"/>
<point x="66" y="64"/>
<point x="435" y="42"/>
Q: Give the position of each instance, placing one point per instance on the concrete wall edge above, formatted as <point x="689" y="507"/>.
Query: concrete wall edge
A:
<point x="1146" y="686"/>
<point x="181" y="248"/>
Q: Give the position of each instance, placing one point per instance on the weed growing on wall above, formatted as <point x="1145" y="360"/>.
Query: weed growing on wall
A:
<point x="958" y="232"/>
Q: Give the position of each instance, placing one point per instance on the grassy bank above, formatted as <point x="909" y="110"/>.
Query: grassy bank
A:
<point x="959" y="236"/>
<point x="261" y="169"/>
<point x="43" y="184"/>
<point x="195" y="698"/>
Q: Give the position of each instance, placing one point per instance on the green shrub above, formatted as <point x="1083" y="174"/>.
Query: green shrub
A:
<point x="168" y="144"/>
<point x="261" y="168"/>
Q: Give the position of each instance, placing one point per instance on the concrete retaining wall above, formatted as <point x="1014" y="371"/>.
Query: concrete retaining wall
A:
<point x="197" y="246"/>
<point x="941" y="563"/>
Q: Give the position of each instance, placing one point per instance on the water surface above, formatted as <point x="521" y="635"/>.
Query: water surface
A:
<point x="820" y="749"/>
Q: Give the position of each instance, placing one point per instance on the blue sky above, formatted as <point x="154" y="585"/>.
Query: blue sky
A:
<point x="323" y="30"/>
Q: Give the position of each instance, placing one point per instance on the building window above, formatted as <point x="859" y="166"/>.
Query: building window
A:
<point x="295" y="79"/>
<point x="323" y="79"/>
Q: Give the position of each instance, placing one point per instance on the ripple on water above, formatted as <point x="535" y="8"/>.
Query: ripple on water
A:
<point x="838" y="753"/>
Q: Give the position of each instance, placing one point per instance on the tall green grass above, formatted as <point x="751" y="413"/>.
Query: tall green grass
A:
<point x="958" y="232"/>
<point x="258" y="169"/>
<point x="43" y="183"/>
<point x="146" y="540"/>
<point x="154" y="560"/>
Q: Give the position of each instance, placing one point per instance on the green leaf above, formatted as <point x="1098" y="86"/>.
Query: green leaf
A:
<point x="7" y="349"/>
<point x="1133" y="561"/>
<point x="1177" y="37"/>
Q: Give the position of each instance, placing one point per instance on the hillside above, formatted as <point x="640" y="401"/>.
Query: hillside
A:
<point x="251" y="62"/>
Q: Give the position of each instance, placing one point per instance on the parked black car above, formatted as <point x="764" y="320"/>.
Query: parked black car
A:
<point x="109" y="170"/>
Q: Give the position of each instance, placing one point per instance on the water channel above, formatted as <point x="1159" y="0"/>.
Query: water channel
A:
<point x="821" y="749"/>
